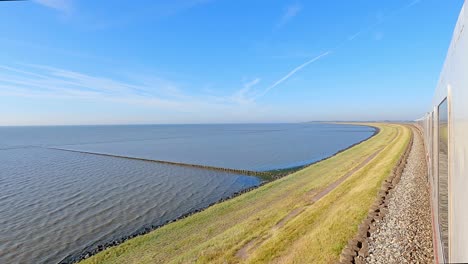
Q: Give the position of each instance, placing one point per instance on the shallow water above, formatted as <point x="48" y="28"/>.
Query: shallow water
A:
<point x="56" y="203"/>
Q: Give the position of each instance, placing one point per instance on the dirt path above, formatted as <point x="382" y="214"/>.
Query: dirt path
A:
<point x="243" y="253"/>
<point x="346" y="176"/>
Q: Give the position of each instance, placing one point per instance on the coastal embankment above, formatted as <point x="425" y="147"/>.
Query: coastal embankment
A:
<point x="306" y="217"/>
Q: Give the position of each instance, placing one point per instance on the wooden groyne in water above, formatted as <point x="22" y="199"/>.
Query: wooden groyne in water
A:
<point x="265" y="175"/>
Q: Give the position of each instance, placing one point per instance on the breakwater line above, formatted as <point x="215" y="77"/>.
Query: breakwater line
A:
<point x="261" y="174"/>
<point x="268" y="175"/>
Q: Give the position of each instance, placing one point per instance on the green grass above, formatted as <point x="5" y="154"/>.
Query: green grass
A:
<point x="317" y="235"/>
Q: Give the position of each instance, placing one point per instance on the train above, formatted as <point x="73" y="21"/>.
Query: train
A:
<point x="445" y="131"/>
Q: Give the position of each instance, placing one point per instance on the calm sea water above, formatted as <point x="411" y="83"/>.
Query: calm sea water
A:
<point x="251" y="147"/>
<point x="56" y="203"/>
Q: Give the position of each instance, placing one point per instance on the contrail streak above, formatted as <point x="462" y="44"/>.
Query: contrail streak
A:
<point x="350" y="38"/>
<point x="291" y="73"/>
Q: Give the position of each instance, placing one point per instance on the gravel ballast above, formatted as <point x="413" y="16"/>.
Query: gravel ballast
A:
<point x="404" y="234"/>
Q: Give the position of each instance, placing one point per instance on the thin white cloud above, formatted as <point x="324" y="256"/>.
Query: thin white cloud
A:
<point x="61" y="5"/>
<point x="46" y="80"/>
<point x="290" y="13"/>
<point x="291" y="73"/>
<point x="154" y="99"/>
<point x="355" y="35"/>
<point x="52" y="83"/>
<point x="245" y="95"/>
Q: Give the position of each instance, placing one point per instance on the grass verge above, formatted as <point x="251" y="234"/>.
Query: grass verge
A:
<point x="278" y="222"/>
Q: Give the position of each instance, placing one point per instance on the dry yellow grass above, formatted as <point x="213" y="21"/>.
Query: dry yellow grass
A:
<point x="249" y="223"/>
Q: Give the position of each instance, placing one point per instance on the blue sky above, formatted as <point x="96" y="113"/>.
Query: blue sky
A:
<point x="219" y="61"/>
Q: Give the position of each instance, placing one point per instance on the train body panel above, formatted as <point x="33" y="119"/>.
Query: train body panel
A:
<point x="445" y="130"/>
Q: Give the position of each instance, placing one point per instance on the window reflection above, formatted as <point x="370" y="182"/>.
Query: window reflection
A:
<point x="443" y="175"/>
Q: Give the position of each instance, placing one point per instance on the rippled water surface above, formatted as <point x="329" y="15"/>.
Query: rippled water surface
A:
<point x="56" y="203"/>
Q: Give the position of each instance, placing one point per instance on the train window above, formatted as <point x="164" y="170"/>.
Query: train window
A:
<point x="443" y="175"/>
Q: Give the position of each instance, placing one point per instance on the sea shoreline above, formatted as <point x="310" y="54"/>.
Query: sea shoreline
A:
<point x="266" y="176"/>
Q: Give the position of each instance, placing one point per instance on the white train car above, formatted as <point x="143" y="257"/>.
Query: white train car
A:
<point x="445" y="130"/>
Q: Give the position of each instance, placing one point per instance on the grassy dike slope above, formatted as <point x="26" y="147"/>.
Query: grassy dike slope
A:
<point x="280" y="221"/>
